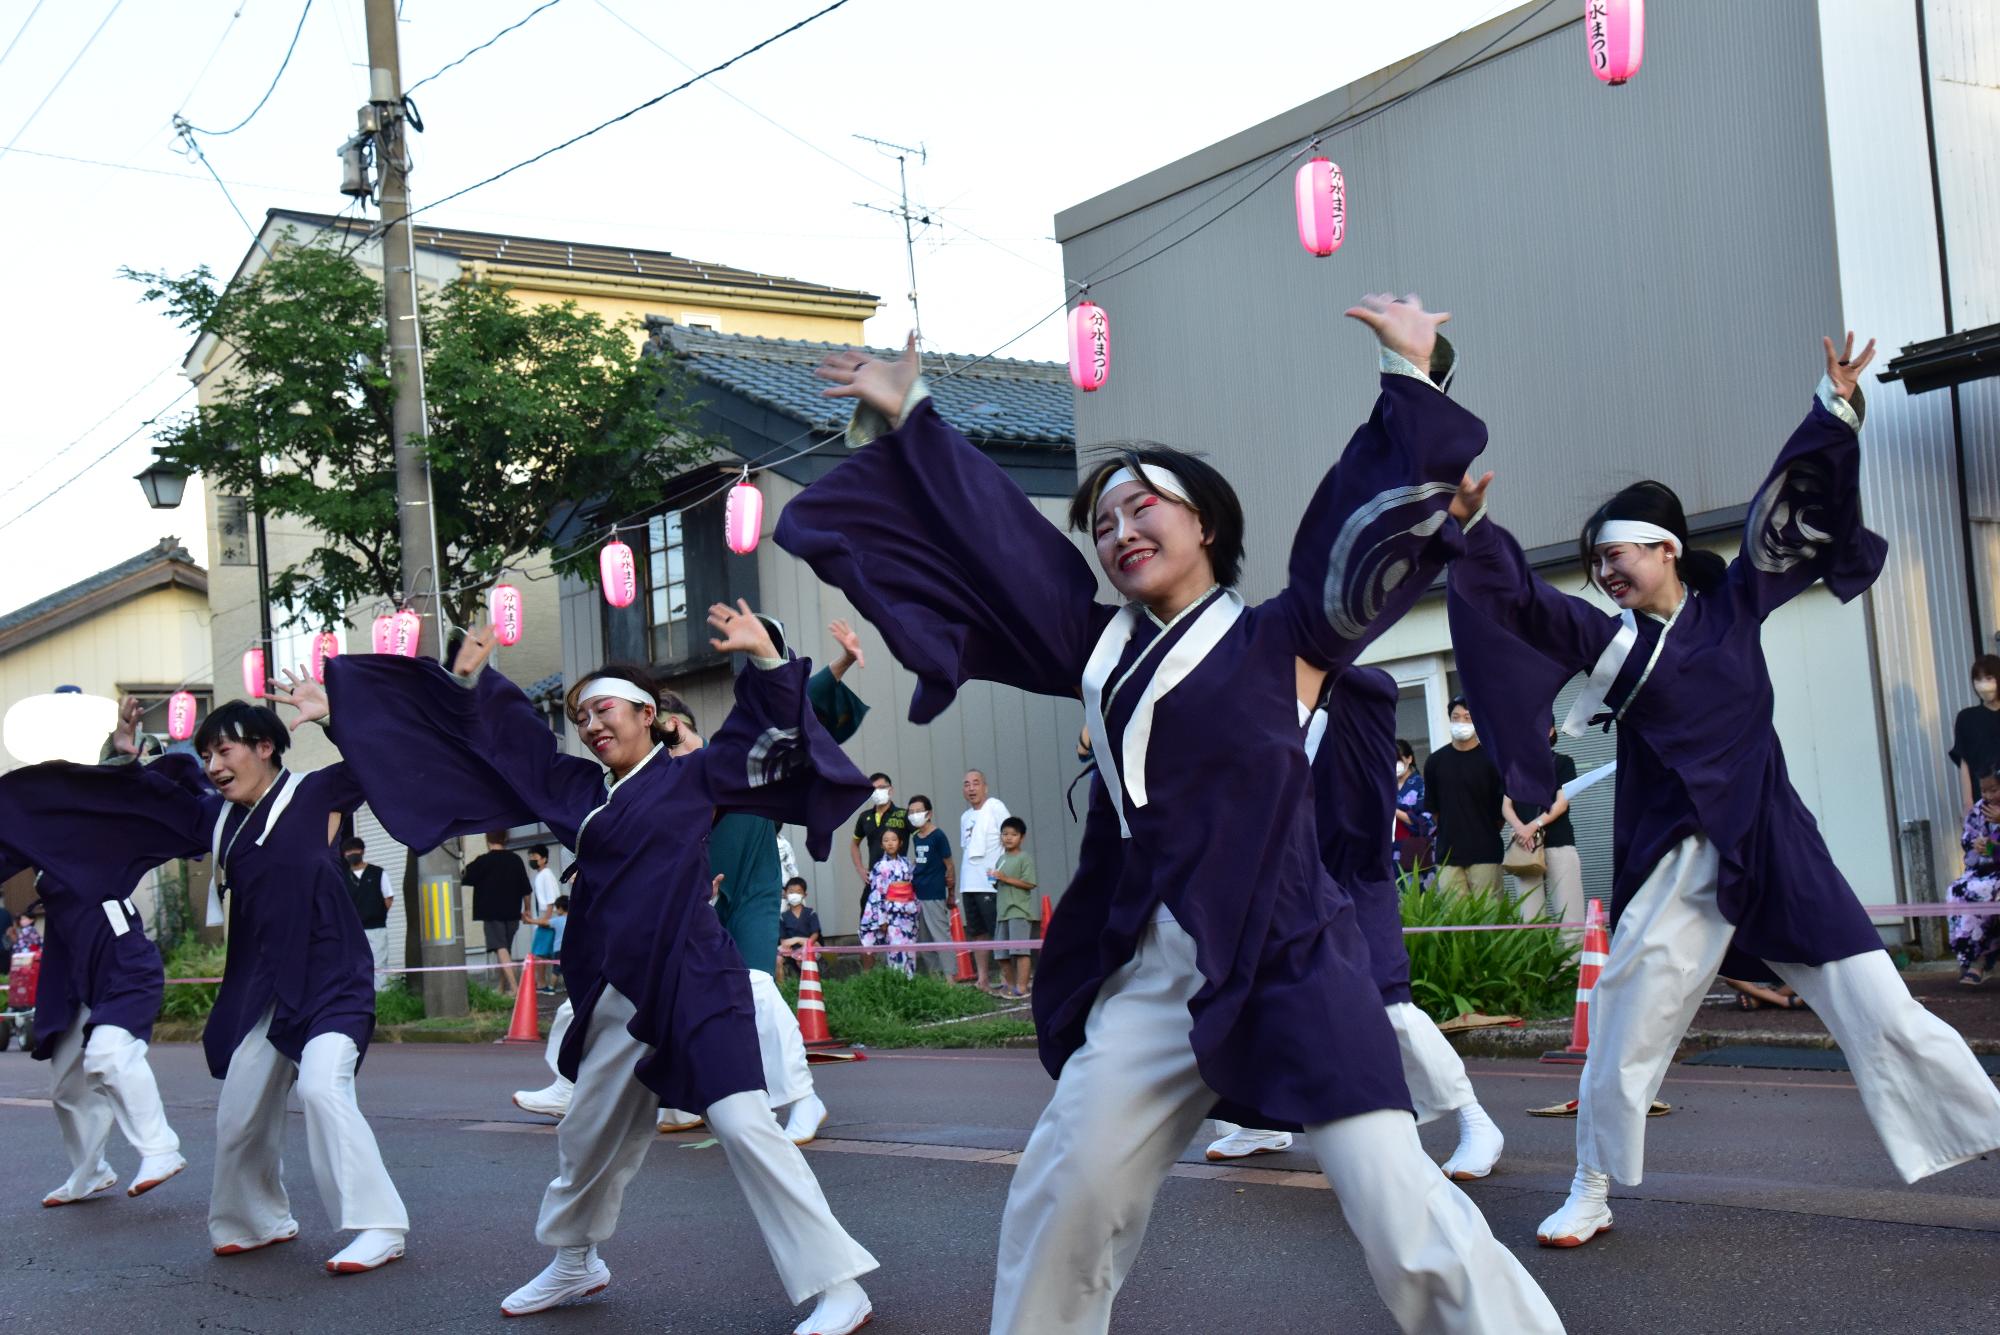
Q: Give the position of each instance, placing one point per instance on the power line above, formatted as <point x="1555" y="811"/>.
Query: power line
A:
<point x="627" y="115"/>
<point x="282" y="65"/>
<point x="161" y="171"/>
<point x="19" y="31"/>
<point x="547" y="4"/>
<point x="111" y="450"/>
<point x="88" y="42"/>
<point x="209" y="64"/>
<point x="22" y="481"/>
<point x="194" y="147"/>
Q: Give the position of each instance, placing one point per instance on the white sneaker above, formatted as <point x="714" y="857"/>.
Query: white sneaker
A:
<point x="1244" y="1142"/>
<point x="673" y="1119"/>
<point x="842" y="1309"/>
<point x="1583" y="1216"/>
<point x="804" y="1118"/>
<point x="371" y="1249"/>
<point x="155" y="1169"/>
<point x="552" y="1101"/>
<point x="80" y="1186"/>
<point x="1479" y="1146"/>
<point x="284" y="1232"/>
<point x="575" y="1273"/>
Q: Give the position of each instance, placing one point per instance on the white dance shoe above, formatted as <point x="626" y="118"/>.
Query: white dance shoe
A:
<point x="550" y="1101"/>
<point x="673" y="1119"/>
<point x="284" y="1232"/>
<point x="81" y="1185"/>
<point x="803" y="1119"/>
<point x="1583" y="1216"/>
<point x="371" y="1249"/>
<point x="155" y="1169"/>
<point x="575" y="1273"/>
<point x="1479" y="1146"/>
<point x="1244" y="1142"/>
<point x="841" y="1310"/>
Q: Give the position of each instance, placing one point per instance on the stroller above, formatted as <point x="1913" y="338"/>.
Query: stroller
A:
<point x="23" y="979"/>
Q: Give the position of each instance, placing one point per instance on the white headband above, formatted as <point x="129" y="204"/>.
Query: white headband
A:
<point x="1633" y="530"/>
<point x="1156" y="478"/>
<point x="618" y="688"/>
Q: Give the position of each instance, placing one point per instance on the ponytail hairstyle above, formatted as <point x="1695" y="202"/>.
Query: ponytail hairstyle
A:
<point x="1210" y="496"/>
<point x="1654" y="503"/>
<point x="665" y="701"/>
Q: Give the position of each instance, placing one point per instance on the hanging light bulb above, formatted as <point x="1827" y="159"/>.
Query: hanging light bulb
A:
<point x="1089" y="346"/>
<point x="1321" y="194"/>
<point x="1614" y="32"/>
<point x="384" y="633"/>
<point x="618" y="571"/>
<point x="409" y="629"/>
<point x="743" y="517"/>
<point x="180" y="715"/>
<point x="505" y="606"/>
<point x="325" y="645"/>
<point x="253" y="673"/>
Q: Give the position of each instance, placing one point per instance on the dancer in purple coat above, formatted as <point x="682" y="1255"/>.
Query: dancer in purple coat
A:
<point x="1179" y="986"/>
<point x="1719" y="866"/>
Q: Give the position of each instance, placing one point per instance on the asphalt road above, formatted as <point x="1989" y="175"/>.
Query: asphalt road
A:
<point x="1768" y="1206"/>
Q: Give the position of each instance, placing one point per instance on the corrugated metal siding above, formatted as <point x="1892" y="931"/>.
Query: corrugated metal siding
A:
<point x="1582" y="236"/>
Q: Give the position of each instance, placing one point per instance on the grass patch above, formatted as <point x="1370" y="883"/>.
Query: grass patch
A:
<point x="192" y="959"/>
<point x="1530" y="974"/>
<point x="883" y="1009"/>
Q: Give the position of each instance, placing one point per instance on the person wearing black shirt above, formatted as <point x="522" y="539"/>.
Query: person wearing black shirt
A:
<point x="1561" y="886"/>
<point x="1975" y="735"/>
<point x="500" y="894"/>
<point x="371" y="900"/>
<point x="1463" y="788"/>
<point x="797" y="924"/>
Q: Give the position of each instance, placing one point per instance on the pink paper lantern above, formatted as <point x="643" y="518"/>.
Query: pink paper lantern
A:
<point x="1089" y="346"/>
<point x="619" y="573"/>
<point x="325" y="645"/>
<point x="1615" y="34"/>
<point x="253" y="673"/>
<point x="1321" y="193"/>
<point x="384" y="633"/>
<point x="505" y="604"/>
<point x="409" y="629"/>
<point x="180" y="715"/>
<point x="743" y="518"/>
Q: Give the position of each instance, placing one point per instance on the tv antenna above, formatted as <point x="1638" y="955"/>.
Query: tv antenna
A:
<point x="912" y="218"/>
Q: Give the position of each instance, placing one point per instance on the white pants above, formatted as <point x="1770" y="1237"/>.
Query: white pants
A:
<point x="378" y="946"/>
<point x="249" y="1201"/>
<point x="1128" y="1102"/>
<point x="1432" y="1068"/>
<point x="613" y="1121"/>
<point x="1930" y="1102"/>
<point x="103" y="1080"/>
<point x="1560" y="887"/>
<point x="787" y="1076"/>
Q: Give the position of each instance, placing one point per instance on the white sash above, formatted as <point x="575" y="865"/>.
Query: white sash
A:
<point x="280" y="799"/>
<point x="1609" y="663"/>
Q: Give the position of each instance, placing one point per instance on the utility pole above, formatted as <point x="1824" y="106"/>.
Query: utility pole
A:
<point x="911" y="221"/>
<point x="430" y="884"/>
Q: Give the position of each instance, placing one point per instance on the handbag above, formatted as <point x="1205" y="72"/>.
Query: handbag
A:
<point x="1525" y="863"/>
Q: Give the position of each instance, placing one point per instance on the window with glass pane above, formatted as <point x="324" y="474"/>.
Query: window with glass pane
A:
<point x="666" y="588"/>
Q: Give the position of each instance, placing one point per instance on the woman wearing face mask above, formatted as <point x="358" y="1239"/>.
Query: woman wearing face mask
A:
<point x="1413" y="817"/>
<point x="664" y="1013"/>
<point x="1178" y="985"/>
<point x="1975" y="733"/>
<point x="1717" y="859"/>
<point x="1975" y="937"/>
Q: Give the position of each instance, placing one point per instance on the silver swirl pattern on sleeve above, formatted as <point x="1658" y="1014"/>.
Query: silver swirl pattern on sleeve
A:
<point x="1375" y="552"/>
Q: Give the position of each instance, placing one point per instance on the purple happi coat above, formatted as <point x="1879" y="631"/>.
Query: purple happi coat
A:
<point x="1353" y="754"/>
<point x="1697" y="751"/>
<point x="91" y="831"/>
<point x="432" y="753"/>
<point x="1202" y="778"/>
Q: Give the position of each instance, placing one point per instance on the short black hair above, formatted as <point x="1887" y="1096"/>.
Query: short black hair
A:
<point x="1016" y="824"/>
<point x="541" y="851"/>
<point x="498" y="838"/>
<point x="1458" y="702"/>
<point x="352" y="842"/>
<point x="562" y="902"/>
<point x="241" y="721"/>
<point x="1210" y="496"/>
<point x="879" y="777"/>
<point x="920" y="801"/>
<point x="799" y="881"/>
<point x="1986" y="665"/>
<point x="1405" y="750"/>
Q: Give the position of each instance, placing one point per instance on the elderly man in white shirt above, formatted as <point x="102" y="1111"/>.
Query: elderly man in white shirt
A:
<point x="979" y="852"/>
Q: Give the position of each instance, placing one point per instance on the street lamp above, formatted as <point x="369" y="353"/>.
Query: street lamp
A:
<point x="164" y="484"/>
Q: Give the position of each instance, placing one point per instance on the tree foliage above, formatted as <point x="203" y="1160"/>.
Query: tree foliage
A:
<point x="530" y="409"/>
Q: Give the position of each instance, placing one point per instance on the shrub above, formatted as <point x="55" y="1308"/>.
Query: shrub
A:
<point x="1531" y="974"/>
<point x="397" y="1004"/>
<point x="191" y="958"/>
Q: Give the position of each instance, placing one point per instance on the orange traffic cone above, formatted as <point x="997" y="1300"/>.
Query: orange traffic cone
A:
<point x="965" y="971"/>
<point x="1048" y="912"/>
<point x="1596" y="946"/>
<point x="812" y="1003"/>
<point x="526" y="1025"/>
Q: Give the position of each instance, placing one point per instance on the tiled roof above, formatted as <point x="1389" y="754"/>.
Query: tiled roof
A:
<point x="166" y="549"/>
<point x="993" y="400"/>
<point x="539" y="252"/>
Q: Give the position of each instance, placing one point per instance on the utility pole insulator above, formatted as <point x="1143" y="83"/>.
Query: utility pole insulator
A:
<point x="354" y="168"/>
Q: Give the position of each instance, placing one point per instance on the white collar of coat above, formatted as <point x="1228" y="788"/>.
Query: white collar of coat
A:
<point x="611" y="786"/>
<point x="1123" y="767"/>
<point x="281" y="798"/>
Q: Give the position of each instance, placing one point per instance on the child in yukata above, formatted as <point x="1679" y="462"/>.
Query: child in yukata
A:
<point x="891" y="913"/>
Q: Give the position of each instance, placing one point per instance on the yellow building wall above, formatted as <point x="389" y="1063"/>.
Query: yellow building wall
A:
<point x="158" y="638"/>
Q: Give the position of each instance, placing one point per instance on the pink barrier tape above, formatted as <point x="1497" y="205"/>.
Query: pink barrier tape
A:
<point x="428" y="968"/>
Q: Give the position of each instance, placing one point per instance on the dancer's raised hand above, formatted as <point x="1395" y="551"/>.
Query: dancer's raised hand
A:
<point x="302" y="693"/>
<point x="475" y="649"/>
<point x="1471" y="496"/>
<point x="850" y="643"/>
<point x="1401" y="324"/>
<point x="883" y="386"/>
<point x="738" y="630"/>
<point x="1843" y="368"/>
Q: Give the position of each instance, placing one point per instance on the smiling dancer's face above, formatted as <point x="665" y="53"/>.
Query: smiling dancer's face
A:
<point x="618" y="732"/>
<point x="1151" y="546"/>
<point x="1636" y="574"/>
<point x="241" y="771"/>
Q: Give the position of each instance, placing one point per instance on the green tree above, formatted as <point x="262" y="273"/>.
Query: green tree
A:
<point x="530" y="409"/>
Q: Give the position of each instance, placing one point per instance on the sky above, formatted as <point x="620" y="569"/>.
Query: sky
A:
<point x="1022" y="109"/>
